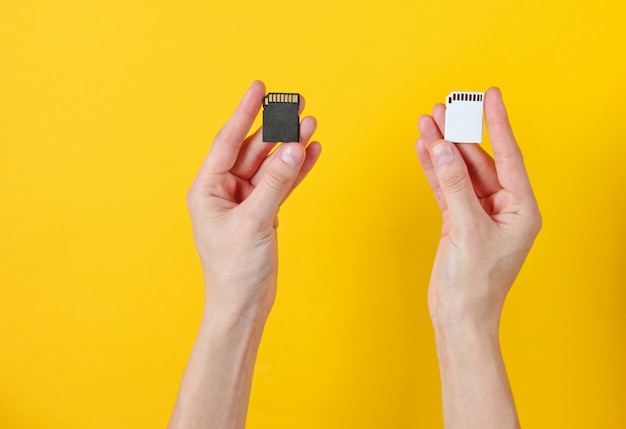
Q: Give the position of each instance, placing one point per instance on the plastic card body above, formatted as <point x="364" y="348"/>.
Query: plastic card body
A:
<point x="464" y="117"/>
<point x="281" y="122"/>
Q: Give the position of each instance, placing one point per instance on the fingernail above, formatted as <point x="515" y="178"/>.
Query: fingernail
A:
<point x="291" y="156"/>
<point x="442" y="154"/>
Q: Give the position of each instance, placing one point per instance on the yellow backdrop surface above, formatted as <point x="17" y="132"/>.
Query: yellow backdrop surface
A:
<point x="107" y="109"/>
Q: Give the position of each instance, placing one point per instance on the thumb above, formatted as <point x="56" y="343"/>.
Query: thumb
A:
<point x="276" y="181"/>
<point x="454" y="180"/>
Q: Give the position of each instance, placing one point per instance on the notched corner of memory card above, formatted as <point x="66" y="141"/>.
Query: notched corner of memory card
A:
<point x="281" y="122"/>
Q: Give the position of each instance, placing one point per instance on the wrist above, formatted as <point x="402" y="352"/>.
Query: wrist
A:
<point x="233" y="319"/>
<point x="231" y="342"/>
<point x="470" y="305"/>
<point x="468" y="352"/>
<point x="217" y="381"/>
<point x="238" y="304"/>
<point x="456" y="322"/>
<point x="475" y="387"/>
<point x="467" y="334"/>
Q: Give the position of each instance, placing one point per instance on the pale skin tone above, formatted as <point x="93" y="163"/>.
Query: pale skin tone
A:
<point x="234" y="202"/>
<point x="490" y="219"/>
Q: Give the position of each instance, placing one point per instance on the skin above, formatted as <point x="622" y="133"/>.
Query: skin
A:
<point x="490" y="220"/>
<point x="234" y="202"/>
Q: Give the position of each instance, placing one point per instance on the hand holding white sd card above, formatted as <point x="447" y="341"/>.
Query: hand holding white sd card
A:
<point x="464" y="117"/>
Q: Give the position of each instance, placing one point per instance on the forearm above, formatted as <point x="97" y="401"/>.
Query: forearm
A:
<point x="475" y="387"/>
<point x="215" y="389"/>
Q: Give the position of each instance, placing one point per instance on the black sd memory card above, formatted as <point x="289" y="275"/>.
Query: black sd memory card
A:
<point x="280" y="117"/>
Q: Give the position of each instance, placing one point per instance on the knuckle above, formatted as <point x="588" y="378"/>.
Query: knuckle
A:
<point x="192" y="196"/>
<point x="536" y="221"/>
<point x="277" y="179"/>
<point x="453" y="179"/>
<point x="533" y="220"/>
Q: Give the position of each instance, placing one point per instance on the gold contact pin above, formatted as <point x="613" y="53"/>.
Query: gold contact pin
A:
<point x="281" y="97"/>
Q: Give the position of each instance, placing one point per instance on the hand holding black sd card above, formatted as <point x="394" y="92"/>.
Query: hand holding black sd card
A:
<point x="281" y="122"/>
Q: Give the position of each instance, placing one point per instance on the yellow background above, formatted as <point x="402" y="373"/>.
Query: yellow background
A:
<point x="107" y="109"/>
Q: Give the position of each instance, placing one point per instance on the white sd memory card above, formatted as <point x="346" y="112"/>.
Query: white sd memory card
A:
<point x="464" y="117"/>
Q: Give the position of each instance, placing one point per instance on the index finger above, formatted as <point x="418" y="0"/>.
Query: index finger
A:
<point x="227" y="144"/>
<point x="508" y="157"/>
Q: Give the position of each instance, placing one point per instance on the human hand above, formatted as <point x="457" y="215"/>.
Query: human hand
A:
<point x="490" y="218"/>
<point x="234" y="202"/>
